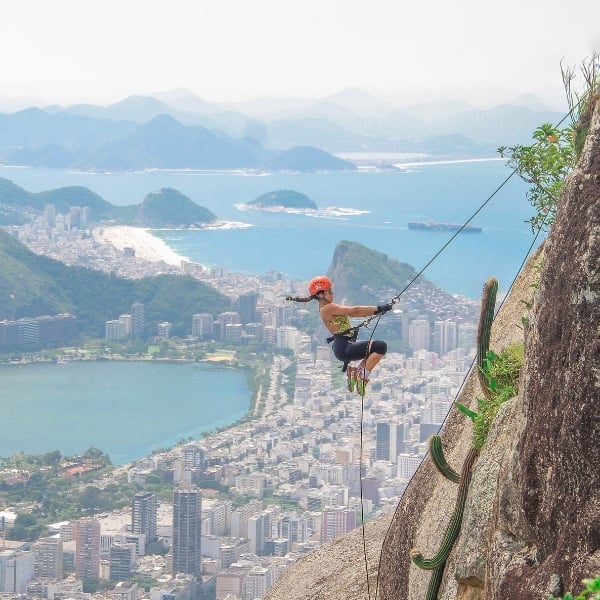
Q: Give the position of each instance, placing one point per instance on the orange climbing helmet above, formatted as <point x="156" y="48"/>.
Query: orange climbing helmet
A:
<point x="318" y="284"/>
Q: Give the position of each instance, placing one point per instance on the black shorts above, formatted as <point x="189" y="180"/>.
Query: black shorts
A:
<point x="345" y="350"/>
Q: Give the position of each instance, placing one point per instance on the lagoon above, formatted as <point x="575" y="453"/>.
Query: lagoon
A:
<point x="126" y="409"/>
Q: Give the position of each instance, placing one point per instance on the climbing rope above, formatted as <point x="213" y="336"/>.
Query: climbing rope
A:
<point x="396" y="299"/>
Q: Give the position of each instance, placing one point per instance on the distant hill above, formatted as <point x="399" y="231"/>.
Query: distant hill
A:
<point x="170" y="208"/>
<point x="284" y="198"/>
<point x="361" y="275"/>
<point x="167" y="208"/>
<point x="69" y="139"/>
<point x="311" y="159"/>
<point x="376" y="273"/>
<point x="179" y="130"/>
<point x="32" y="285"/>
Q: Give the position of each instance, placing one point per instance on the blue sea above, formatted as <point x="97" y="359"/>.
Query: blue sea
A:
<point x="128" y="410"/>
<point x="380" y="206"/>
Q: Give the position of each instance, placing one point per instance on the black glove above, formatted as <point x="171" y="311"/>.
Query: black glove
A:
<point x="383" y="308"/>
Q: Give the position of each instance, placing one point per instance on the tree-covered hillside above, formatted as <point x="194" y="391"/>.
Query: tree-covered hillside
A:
<point x="365" y="276"/>
<point x="285" y="198"/>
<point x="32" y="285"/>
<point x="170" y="208"/>
<point x="167" y="208"/>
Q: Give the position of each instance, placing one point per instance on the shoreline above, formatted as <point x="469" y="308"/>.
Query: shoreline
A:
<point x="146" y="245"/>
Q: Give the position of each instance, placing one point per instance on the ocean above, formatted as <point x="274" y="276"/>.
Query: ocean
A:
<point x="380" y="206"/>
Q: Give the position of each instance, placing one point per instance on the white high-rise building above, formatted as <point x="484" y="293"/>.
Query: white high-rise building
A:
<point x="407" y="465"/>
<point x="143" y="515"/>
<point x="202" y="325"/>
<point x="445" y="337"/>
<point x="418" y="335"/>
<point x="16" y="569"/>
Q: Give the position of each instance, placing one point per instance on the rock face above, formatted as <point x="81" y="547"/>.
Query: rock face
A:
<point x="531" y="524"/>
<point x="548" y="502"/>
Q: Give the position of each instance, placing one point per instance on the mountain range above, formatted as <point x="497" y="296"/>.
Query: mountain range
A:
<point x="178" y="130"/>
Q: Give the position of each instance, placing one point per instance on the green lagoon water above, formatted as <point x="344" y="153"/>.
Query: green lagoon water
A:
<point x="127" y="409"/>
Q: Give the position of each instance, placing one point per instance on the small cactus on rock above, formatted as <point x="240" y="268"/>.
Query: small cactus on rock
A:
<point x="437" y="563"/>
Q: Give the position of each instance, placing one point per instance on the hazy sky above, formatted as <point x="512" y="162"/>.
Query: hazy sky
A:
<point x="101" y="51"/>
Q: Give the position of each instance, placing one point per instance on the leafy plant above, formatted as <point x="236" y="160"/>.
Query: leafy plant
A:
<point x="590" y="592"/>
<point x="501" y="373"/>
<point x="546" y="163"/>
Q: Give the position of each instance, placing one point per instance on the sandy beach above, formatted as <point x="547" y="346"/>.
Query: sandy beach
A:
<point x="147" y="246"/>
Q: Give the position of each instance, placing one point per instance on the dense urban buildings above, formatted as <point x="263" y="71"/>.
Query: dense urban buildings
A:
<point x="250" y="500"/>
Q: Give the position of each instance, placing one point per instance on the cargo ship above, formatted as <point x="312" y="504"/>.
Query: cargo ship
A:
<point x="438" y="226"/>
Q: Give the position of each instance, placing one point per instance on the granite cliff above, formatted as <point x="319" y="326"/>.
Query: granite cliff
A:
<point x="531" y="523"/>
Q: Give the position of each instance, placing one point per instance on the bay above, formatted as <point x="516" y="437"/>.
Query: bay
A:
<point x="126" y="409"/>
<point x="300" y="246"/>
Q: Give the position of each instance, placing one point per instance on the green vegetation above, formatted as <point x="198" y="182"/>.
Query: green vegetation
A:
<point x="501" y="372"/>
<point x="285" y="198"/>
<point x="546" y="163"/>
<point x="591" y="591"/>
<point x="170" y="208"/>
<point x="32" y="285"/>
<point x="502" y="375"/>
<point x="54" y="488"/>
<point x="166" y="208"/>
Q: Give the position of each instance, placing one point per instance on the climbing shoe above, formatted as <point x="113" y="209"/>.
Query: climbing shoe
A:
<point x="361" y="382"/>
<point x="351" y="374"/>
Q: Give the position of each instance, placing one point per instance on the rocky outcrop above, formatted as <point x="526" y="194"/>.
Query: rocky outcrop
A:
<point x="547" y="507"/>
<point x="531" y="524"/>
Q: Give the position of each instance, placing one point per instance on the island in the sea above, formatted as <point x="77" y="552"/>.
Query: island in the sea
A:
<point x="438" y="226"/>
<point x="296" y="203"/>
<point x="283" y="199"/>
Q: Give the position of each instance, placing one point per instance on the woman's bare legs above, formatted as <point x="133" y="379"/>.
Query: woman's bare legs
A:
<point x="371" y="360"/>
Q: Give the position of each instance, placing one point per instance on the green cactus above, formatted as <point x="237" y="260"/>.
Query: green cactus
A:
<point x="486" y="317"/>
<point x="453" y="528"/>
<point x="436" y="564"/>
<point x="435" y="582"/>
<point x="437" y="454"/>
